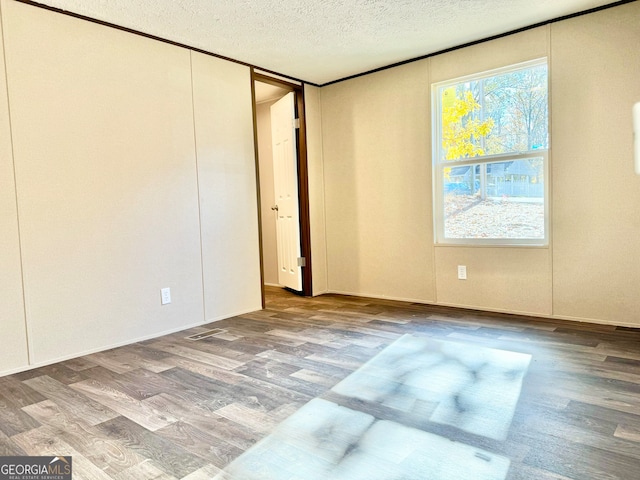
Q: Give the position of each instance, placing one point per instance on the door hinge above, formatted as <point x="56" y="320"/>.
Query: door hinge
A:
<point x="302" y="262"/>
<point x="296" y="123"/>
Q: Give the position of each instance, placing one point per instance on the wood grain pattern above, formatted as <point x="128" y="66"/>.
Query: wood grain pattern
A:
<point x="173" y="459"/>
<point x="171" y="408"/>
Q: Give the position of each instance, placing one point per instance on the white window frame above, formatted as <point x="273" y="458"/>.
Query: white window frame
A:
<point x="439" y="164"/>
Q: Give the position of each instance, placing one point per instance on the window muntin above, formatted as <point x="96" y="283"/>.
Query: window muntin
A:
<point x="490" y="157"/>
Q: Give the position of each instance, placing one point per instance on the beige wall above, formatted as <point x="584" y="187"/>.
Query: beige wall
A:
<point x="313" y="112"/>
<point x="596" y="220"/>
<point x="514" y="280"/>
<point x="134" y="171"/>
<point x="223" y="112"/>
<point x="105" y="168"/>
<point x="503" y="279"/>
<point x="377" y="169"/>
<point x="267" y="196"/>
<point x="378" y="184"/>
<point x="13" y="353"/>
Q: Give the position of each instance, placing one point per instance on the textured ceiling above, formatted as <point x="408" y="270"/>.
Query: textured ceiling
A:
<point x="319" y="41"/>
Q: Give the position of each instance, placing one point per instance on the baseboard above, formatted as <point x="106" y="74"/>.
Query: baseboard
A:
<point x="230" y="315"/>
<point x="493" y="310"/>
<point x="596" y="321"/>
<point x="33" y="366"/>
<point x="383" y="297"/>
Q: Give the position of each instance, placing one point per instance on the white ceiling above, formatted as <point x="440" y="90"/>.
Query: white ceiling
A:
<point x="319" y="41"/>
<point x="267" y="93"/>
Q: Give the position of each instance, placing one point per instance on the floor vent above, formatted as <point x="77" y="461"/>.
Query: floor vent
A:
<point x="208" y="333"/>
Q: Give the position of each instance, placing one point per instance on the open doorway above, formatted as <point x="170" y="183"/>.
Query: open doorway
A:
<point x="284" y="217"/>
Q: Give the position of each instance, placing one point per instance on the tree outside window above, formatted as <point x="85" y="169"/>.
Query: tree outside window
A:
<point x="490" y="157"/>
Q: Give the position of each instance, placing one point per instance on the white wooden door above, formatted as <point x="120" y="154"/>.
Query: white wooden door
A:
<point x="285" y="174"/>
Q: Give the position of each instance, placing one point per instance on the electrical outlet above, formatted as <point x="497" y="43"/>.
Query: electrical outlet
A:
<point x="165" y="295"/>
<point x="462" y="272"/>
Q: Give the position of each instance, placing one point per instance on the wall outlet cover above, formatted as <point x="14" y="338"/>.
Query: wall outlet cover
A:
<point x="462" y="272"/>
<point x="165" y="295"/>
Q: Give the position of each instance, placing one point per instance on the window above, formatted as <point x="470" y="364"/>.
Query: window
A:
<point x="490" y="163"/>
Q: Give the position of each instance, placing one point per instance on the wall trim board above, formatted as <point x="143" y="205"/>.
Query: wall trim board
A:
<point x="276" y="81"/>
<point x="159" y="39"/>
<point x="303" y="193"/>
<point x="256" y="158"/>
<point x="483" y="40"/>
<point x="195" y="156"/>
<point x="403" y="62"/>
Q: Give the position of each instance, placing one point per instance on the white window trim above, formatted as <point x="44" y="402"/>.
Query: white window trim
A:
<point x="438" y="166"/>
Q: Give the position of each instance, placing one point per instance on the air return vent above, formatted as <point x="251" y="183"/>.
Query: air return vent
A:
<point x="208" y="333"/>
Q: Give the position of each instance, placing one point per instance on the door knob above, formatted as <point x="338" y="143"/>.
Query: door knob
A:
<point x="275" y="207"/>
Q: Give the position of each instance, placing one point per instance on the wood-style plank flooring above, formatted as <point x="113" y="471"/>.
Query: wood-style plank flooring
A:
<point x="174" y="408"/>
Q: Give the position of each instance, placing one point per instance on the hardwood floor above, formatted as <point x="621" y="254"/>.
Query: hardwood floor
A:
<point x="175" y="408"/>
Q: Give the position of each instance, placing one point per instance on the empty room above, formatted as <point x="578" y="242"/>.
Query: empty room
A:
<point x="319" y="240"/>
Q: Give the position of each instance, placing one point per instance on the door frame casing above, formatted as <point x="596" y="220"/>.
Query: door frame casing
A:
<point x="303" y="178"/>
